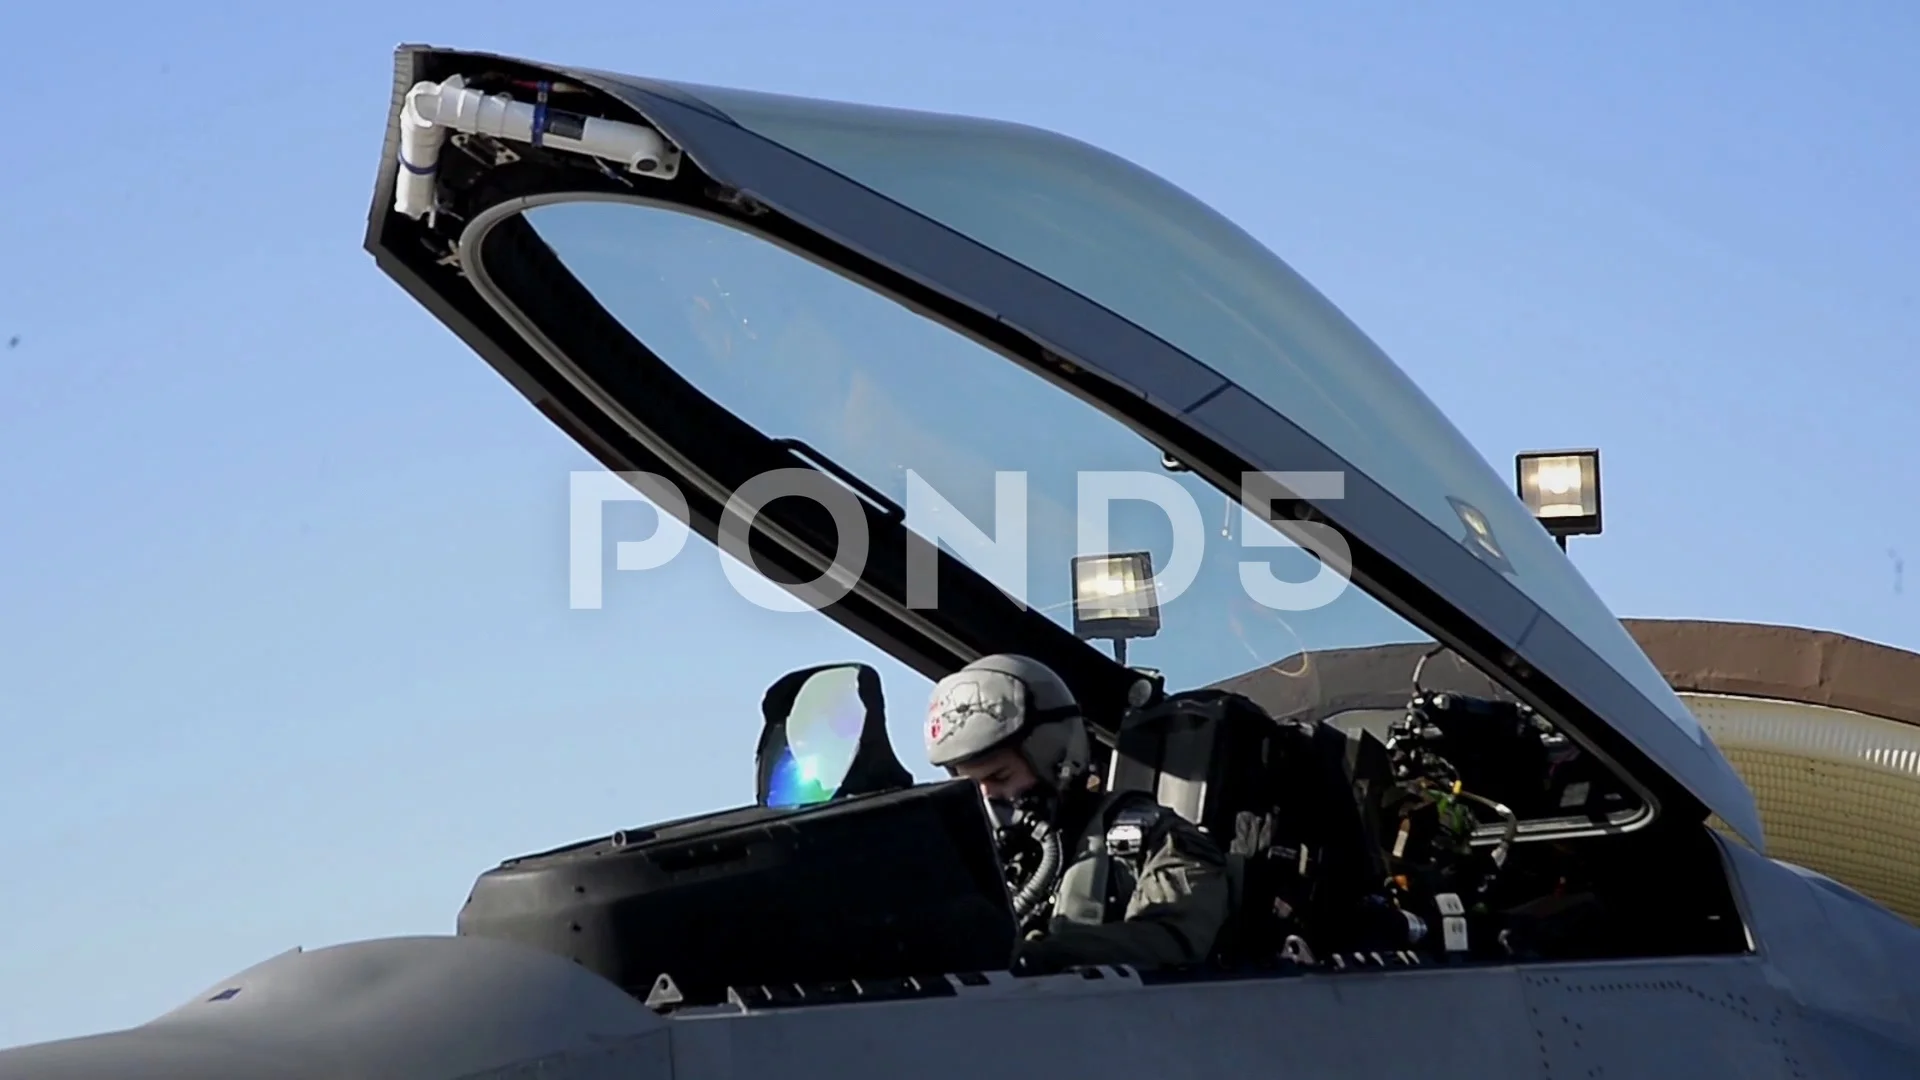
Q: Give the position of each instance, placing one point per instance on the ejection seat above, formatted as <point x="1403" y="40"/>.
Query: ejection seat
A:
<point x="1278" y="796"/>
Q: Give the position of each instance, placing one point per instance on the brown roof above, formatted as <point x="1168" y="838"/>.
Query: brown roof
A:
<point x="1813" y="667"/>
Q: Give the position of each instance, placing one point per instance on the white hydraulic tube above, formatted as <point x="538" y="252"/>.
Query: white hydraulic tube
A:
<point x="434" y="108"/>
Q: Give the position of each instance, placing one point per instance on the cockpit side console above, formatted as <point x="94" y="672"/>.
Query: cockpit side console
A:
<point x="878" y="886"/>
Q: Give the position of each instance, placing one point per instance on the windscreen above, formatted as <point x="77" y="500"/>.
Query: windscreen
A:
<point x="1156" y="256"/>
<point x="1007" y="472"/>
<point x="1063" y="507"/>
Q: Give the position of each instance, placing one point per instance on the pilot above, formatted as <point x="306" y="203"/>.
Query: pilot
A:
<point x="1139" y="885"/>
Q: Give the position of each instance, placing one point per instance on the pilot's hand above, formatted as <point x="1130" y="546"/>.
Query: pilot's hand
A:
<point x="1038" y="956"/>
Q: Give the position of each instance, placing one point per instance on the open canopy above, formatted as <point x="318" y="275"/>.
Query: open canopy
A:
<point x="951" y="324"/>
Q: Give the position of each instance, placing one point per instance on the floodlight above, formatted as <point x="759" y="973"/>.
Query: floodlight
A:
<point x="1561" y="489"/>
<point x="1114" y="599"/>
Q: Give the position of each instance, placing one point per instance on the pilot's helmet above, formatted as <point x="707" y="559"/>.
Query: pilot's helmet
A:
<point x="1003" y="700"/>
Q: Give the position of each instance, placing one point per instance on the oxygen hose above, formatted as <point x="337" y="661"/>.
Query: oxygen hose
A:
<point x="1041" y="883"/>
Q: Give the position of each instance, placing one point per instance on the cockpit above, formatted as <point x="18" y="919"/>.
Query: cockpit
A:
<point x="966" y="387"/>
<point x="1358" y="838"/>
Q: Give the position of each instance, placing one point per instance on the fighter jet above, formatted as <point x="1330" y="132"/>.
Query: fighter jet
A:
<point x="890" y="360"/>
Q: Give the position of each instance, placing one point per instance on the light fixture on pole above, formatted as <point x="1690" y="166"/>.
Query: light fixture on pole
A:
<point x="1114" y="599"/>
<point x="1562" y="490"/>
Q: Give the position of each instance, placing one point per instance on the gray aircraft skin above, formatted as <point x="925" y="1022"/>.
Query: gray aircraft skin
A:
<point x="1751" y="968"/>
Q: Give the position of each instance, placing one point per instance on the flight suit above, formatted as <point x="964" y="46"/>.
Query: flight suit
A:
<point x="1142" y="886"/>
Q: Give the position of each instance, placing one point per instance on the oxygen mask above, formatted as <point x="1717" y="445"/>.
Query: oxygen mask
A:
<point x="1030" y="849"/>
<point x="1023" y="815"/>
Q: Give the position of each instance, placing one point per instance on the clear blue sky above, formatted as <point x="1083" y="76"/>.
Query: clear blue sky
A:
<point x="285" y="651"/>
